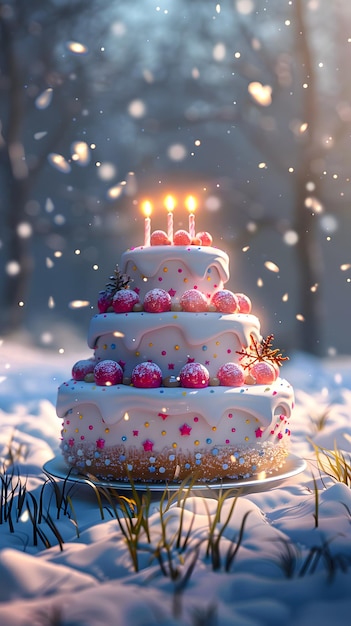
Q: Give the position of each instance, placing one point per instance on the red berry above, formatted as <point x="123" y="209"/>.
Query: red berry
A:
<point x="194" y="375"/>
<point x="231" y="375"/>
<point x="263" y="372"/>
<point x="108" y="373"/>
<point x="205" y="238"/>
<point x="82" y="368"/>
<point x="146" y="375"/>
<point x="244" y="303"/>
<point x="181" y="238"/>
<point x="104" y="301"/>
<point x="193" y="301"/>
<point x="157" y="301"/>
<point x="124" y="300"/>
<point x="225" y="301"/>
<point x="159" y="238"/>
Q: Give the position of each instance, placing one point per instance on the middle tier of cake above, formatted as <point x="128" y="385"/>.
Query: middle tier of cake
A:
<point x="172" y="339"/>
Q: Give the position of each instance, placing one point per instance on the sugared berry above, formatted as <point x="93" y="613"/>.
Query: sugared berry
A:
<point x="194" y="375"/>
<point x="157" y="301"/>
<point x="181" y="238"/>
<point x="82" y="368"/>
<point x="231" y="375"/>
<point x="147" y="375"/>
<point x="244" y="303"/>
<point x="263" y="372"/>
<point x="159" y="238"/>
<point x="225" y="301"/>
<point x="205" y="238"/>
<point x="104" y="301"/>
<point x="108" y="373"/>
<point x="193" y="301"/>
<point x="124" y="300"/>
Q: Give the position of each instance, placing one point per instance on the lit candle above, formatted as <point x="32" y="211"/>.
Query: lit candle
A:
<point x="147" y="209"/>
<point x="190" y="204"/>
<point x="170" y="204"/>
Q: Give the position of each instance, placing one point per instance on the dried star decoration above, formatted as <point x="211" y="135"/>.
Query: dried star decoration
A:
<point x="261" y="352"/>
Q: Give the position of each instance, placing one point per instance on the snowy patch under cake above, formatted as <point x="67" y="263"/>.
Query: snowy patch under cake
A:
<point x="180" y="383"/>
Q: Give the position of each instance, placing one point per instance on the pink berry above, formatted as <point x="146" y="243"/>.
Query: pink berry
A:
<point x="225" y="301"/>
<point x="108" y="373"/>
<point x="157" y="301"/>
<point x="147" y="375"/>
<point x="205" y="238"/>
<point x="181" y="238"/>
<point x="231" y="375"/>
<point x="244" y="303"/>
<point x="263" y="372"/>
<point x="82" y="368"/>
<point x="124" y="300"/>
<point x="104" y="301"/>
<point x="159" y="238"/>
<point x="194" y="375"/>
<point x="193" y="301"/>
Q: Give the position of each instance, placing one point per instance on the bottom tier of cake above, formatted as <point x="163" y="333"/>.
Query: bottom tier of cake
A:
<point x="170" y="434"/>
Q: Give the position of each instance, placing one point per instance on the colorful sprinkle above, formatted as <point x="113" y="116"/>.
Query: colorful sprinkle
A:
<point x="148" y="445"/>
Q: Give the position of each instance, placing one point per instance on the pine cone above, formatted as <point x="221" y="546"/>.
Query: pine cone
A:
<point x="116" y="282"/>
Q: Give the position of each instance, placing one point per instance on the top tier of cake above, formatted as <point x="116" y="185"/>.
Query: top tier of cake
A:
<point x="202" y="331"/>
<point x="176" y="269"/>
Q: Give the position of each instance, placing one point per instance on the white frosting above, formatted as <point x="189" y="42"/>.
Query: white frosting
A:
<point x="169" y="339"/>
<point x="197" y="328"/>
<point x="197" y="258"/>
<point x="176" y="268"/>
<point x="260" y="401"/>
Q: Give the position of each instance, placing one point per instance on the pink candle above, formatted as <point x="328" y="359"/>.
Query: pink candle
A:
<point x="170" y="204"/>
<point x="190" y="203"/>
<point x="147" y="208"/>
<point x="192" y="225"/>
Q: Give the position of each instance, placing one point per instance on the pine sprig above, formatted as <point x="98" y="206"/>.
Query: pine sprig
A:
<point x="261" y="352"/>
<point x="117" y="282"/>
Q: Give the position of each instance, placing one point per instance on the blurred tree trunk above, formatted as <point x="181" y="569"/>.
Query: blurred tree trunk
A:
<point x="309" y="255"/>
<point x="18" y="178"/>
<point x="15" y="174"/>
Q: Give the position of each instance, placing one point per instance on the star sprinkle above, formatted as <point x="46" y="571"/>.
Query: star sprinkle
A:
<point x="172" y="292"/>
<point x="258" y="433"/>
<point x="185" y="430"/>
<point x="148" y="445"/>
<point x="100" y="443"/>
<point x="163" y="415"/>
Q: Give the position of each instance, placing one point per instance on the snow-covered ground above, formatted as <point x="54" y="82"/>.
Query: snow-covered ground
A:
<point x="293" y="563"/>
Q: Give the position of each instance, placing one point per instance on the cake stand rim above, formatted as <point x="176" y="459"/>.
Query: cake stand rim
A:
<point x="294" y="465"/>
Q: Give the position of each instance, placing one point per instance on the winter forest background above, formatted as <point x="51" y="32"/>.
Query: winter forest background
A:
<point x="245" y="104"/>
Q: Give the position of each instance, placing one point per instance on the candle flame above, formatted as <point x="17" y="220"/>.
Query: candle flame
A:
<point x="169" y="203"/>
<point x="190" y="203"/>
<point x="146" y="208"/>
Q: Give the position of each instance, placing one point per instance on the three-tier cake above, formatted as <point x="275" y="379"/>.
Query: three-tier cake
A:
<point x="181" y="382"/>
